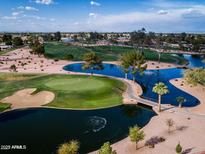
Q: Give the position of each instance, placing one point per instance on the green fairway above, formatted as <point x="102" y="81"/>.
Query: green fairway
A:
<point x="71" y="91"/>
<point x="107" y="53"/>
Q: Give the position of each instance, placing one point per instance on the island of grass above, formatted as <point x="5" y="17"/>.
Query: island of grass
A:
<point x="56" y="50"/>
<point x="71" y="91"/>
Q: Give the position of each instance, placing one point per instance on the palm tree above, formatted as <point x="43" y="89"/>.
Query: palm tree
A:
<point x="161" y="89"/>
<point x="125" y="65"/>
<point x="180" y="100"/>
<point x="92" y="62"/>
<point x="159" y="46"/>
<point x="134" y="60"/>
<point x="159" y="56"/>
<point x="71" y="147"/>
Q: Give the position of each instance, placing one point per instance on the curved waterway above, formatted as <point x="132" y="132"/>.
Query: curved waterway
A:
<point x="150" y="78"/>
<point x="42" y="130"/>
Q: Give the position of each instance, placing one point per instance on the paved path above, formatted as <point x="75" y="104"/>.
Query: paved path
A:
<point x="177" y="51"/>
<point x="136" y="99"/>
<point x="132" y="95"/>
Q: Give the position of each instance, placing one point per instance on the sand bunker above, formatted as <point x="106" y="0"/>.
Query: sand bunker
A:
<point x="24" y="98"/>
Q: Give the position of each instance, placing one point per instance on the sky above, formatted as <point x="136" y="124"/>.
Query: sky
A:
<point x="102" y="15"/>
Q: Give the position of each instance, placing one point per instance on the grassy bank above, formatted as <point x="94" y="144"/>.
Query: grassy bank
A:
<point x="8" y="50"/>
<point x="108" y="53"/>
<point x="77" y="92"/>
<point x="4" y="106"/>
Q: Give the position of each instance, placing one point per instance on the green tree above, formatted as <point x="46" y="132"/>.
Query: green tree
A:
<point x="106" y="149"/>
<point x="13" y="68"/>
<point x="195" y="76"/>
<point x="7" y="38"/>
<point x="178" y="148"/>
<point x="95" y="36"/>
<point x="180" y="100"/>
<point x="138" y="38"/>
<point x="17" y="41"/>
<point x="69" y="57"/>
<point x="92" y="62"/>
<point x="9" y="42"/>
<point x="71" y="147"/>
<point x="161" y="89"/>
<point x="38" y="48"/>
<point x="57" y="36"/>
<point x="136" y="135"/>
<point x="134" y="60"/>
<point x="31" y="39"/>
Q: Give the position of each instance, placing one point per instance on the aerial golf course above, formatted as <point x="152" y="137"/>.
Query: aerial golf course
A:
<point x="76" y="92"/>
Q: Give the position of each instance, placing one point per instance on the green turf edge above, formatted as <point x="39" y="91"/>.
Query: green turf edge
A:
<point x="4" y="106"/>
<point x="35" y="82"/>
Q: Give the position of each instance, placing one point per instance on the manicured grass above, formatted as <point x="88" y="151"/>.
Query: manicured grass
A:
<point x="77" y="92"/>
<point x="4" y="106"/>
<point x="14" y="76"/>
<point x="61" y="51"/>
<point x="107" y="53"/>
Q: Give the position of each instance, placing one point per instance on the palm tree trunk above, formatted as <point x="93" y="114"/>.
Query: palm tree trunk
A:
<point x="125" y="75"/>
<point x="159" y="103"/>
<point x="133" y="78"/>
<point x="91" y="73"/>
<point x="180" y="105"/>
<point x="159" y="54"/>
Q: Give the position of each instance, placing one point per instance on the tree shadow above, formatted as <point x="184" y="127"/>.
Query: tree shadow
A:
<point x="186" y="151"/>
<point x="181" y="128"/>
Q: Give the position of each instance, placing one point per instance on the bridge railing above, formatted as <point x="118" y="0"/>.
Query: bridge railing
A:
<point x="149" y="99"/>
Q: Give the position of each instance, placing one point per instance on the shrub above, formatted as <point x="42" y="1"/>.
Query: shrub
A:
<point x="106" y="149"/>
<point x="178" y="148"/>
<point x="170" y="124"/>
<point x="13" y="68"/>
<point x="69" y="57"/>
<point x="195" y="76"/>
<point x="71" y="147"/>
<point x="154" y="140"/>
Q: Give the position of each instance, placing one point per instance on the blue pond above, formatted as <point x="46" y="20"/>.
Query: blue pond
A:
<point x="148" y="80"/>
<point x="194" y="61"/>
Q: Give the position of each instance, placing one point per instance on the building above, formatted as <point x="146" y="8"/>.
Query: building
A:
<point x="3" y="46"/>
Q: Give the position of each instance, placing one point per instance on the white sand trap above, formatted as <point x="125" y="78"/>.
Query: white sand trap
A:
<point x="24" y="99"/>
